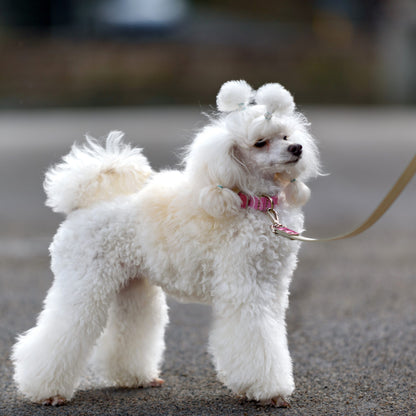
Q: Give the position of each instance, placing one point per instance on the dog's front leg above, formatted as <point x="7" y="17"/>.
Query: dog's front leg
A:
<point x="250" y="350"/>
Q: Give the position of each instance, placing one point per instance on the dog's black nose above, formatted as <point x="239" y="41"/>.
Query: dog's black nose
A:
<point x="295" y="149"/>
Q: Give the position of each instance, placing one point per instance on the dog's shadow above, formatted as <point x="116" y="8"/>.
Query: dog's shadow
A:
<point x="180" y="395"/>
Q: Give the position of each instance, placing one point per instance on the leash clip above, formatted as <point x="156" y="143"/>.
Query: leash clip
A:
<point x="278" y="228"/>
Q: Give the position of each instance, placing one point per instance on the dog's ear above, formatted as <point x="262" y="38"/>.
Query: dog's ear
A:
<point x="297" y="193"/>
<point x="233" y="96"/>
<point x="276" y="98"/>
<point x="219" y="202"/>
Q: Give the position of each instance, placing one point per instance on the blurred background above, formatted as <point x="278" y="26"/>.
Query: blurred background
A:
<point x="135" y="52"/>
<point x="148" y="68"/>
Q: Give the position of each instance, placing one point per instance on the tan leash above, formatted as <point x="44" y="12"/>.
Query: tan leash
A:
<point x="384" y="205"/>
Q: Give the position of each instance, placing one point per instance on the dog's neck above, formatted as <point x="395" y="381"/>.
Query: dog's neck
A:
<point x="265" y="186"/>
<point x="260" y="203"/>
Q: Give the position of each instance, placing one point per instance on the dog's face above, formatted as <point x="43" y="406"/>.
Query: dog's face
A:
<point x="265" y="149"/>
<point x="278" y="146"/>
<point x="257" y="138"/>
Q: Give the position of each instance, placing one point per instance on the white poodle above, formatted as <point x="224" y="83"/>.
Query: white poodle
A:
<point x="201" y="234"/>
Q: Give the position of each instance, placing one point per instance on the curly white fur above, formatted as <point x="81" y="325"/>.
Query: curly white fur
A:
<point x="130" y="233"/>
<point x="276" y="98"/>
<point x="91" y="173"/>
<point x="234" y="95"/>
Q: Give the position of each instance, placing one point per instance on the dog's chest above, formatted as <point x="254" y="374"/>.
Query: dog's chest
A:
<point x="190" y="257"/>
<point x="263" y="244"/>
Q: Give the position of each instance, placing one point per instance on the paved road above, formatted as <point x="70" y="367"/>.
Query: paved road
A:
<point x="352" y="318"/>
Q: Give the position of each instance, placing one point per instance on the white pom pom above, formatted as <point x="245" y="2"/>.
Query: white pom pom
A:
<point x="219" y="202"/>
<point x="297" y="193"/>
<point x="233" y="95"/>
<point x="276" y="98"/>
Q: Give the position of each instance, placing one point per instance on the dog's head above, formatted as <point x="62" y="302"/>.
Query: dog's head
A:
<point x="258" y="144"/>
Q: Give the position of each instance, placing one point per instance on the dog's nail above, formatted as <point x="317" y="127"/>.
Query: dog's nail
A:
<point x="279" y="401"/>
<point x="54" y="401"/>
<point x="157" y="382"/>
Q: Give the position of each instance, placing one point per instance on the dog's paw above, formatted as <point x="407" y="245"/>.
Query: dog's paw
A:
<point x="277" y="401"/>
<point x="54" y="401"/>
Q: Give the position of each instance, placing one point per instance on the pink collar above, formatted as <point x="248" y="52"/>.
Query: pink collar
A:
<point x="261" y="203"/>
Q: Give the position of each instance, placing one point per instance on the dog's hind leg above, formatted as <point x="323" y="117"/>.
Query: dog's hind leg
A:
<point x="129" y="352"/>
<point x="50" y="358"/>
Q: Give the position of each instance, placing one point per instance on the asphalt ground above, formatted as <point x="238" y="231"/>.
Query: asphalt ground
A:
<point x="352" y="314"/>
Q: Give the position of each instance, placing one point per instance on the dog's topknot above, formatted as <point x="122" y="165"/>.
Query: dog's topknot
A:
<point x="234" y="95"/>
<point x="276" y="98"/>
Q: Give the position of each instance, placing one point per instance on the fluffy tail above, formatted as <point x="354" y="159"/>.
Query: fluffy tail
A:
<point x="92" y="173"/>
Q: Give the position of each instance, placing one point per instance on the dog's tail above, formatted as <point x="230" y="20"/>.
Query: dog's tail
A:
<point x="93" y="173"/>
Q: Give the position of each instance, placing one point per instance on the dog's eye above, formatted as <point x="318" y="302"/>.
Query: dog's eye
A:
<point x="284" y="137"/>
<point x="260" y="143"/>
